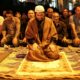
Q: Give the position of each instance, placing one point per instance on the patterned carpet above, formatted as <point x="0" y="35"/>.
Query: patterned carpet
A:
<point x="21" y="69"/>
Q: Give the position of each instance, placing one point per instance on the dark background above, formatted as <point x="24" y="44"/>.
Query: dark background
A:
<point x="15" y="5"/>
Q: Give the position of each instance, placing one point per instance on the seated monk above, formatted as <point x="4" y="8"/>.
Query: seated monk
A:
<point x="40" y="30"/>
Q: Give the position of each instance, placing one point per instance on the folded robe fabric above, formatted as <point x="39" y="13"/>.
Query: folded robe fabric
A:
<point x="43" y="55"/>
<point x="48" y="30"/>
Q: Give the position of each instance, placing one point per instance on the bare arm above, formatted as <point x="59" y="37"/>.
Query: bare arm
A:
<point x="17" y="27"/>
<point x="72" y="24"/>
<point x="74" y="31"/>
<point x="4" y="29"/>
<point x="4" y="33"/>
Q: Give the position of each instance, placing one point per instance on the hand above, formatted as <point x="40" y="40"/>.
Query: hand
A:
<point x="65" y="40"/>
<point x="24" y="40"/>
<point x="44" y="44"/>
<point x="4" y="38"/>
<point x="14" y="39"/>
<point x="76" y="41"/>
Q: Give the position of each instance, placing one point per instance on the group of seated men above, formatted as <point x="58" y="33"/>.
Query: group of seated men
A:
<point x="42" y="29"/>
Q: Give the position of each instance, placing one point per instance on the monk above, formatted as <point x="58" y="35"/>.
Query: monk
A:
<point x="40" y="30"/>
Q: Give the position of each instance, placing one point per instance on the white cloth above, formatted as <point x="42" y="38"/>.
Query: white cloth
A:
<point x="39" y="8"/>
<point x="1" y="20"/>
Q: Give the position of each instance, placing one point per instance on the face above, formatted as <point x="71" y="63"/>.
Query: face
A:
<point x="50" y="12"/>
<point x="18" y="15"/>
<point x="55" y="17"/>
<point x="65" y="12"/>
<point x="31" y="14"/>
<point x="8" y="15"/>
<point x="40" y="16"/>
<point x="77" y="11"/>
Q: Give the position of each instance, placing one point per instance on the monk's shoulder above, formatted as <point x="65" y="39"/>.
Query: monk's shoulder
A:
<point x="48" y="19"/>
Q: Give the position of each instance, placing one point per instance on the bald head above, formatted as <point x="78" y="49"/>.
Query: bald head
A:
<point x="49" y="12"/>
<point x="55" y="16"/>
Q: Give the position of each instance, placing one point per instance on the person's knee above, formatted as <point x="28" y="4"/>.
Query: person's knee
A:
<point x="15" y="42"/>
<point x="3" y="41"/>
<point x="76" y="43"/>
